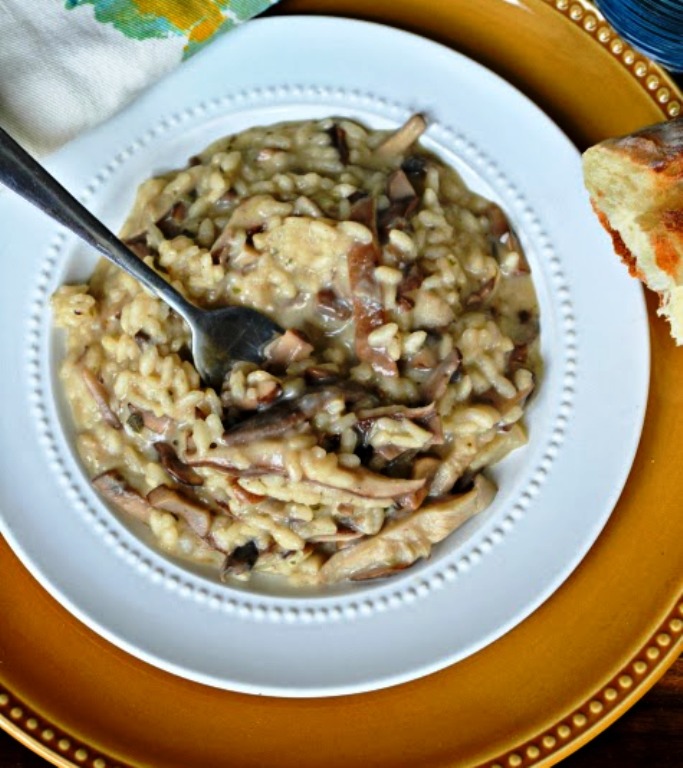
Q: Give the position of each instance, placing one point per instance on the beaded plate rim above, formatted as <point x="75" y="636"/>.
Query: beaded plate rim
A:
<point x="532" y="483"/>
<point x="623" y="689"/>
<point x="146" y="559"/>
<point x="659" y="86"/>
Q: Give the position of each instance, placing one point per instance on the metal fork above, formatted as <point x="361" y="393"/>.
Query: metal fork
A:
<point x="219" y="336"/>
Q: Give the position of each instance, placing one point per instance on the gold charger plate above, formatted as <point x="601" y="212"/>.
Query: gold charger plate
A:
<point x="530" y="698"/>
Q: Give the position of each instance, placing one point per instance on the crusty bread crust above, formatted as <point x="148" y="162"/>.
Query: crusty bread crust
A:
<point x="636" y="187"/>
<point x="619" y="245"/>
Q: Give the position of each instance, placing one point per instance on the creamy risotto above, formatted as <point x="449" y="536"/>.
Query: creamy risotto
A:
<point x="411" y="348"/>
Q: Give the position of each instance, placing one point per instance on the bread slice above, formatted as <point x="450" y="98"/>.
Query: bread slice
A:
<point x="635" y="184"/>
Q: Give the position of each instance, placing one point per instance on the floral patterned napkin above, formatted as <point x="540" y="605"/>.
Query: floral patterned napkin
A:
<point x="66" y="65"/>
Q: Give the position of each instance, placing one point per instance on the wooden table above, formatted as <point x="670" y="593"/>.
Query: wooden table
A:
<point x="649" y="735"/>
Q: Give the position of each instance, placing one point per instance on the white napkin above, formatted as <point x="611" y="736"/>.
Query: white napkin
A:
<point x="66" y="65"/>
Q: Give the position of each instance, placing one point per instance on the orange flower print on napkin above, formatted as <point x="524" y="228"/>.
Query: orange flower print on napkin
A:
<point x="196" y="20"/>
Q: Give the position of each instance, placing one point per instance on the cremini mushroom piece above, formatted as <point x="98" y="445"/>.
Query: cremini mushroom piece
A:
<point x="99" y="394"/>
<point x="176" y="468"/>
<point x="359" y="481"/>
<point x="401" y="543"/>
<point x="288" y="348"/>
<point x="195" y="514"/>
<point x="368" y="310"/>
<point x="149" y="420"/>
<point x="401" y="140"/>
<point x="435" y="384"/>
<point x="114" y="488"/>
<point x="240" y="561"/>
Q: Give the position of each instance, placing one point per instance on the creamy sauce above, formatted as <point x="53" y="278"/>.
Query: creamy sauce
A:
<point x="411" y="351"/>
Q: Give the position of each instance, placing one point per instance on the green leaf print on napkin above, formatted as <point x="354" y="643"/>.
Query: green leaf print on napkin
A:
<point x="197" y="20"/>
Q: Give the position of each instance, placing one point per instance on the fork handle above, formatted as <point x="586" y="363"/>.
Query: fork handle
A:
<point x="25" y="176"/>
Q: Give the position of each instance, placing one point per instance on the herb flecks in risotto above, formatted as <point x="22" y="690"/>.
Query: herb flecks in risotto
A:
<point x="411" y="349"/>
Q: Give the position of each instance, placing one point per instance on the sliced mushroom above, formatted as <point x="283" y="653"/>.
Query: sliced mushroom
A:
<point x="364" y="211"/>
<point x="342" y="536"/>
<point x="401" y="543"/>
<point x="142" y="339"/>
<point x="411" y="282"/>
<point x="433" y="423"/>
<point x="392" y="460"/>
<point x="338" y="136"/>
<point x="425" y="359"/>
<point x="409" y="502"/>
<point x="284" y="416"/>
<point x="176" y="468"/>
<point x="426" y="467"/>
<point x="244" y="496"/>
<point x="288" y="348"/>
<point x="499" y="226"/>
<point x="359" y="487"/>
<point x="397" y="411"/>
<point x="503" y="238"/>
<point x="318" y="397"/>
<point x="368" y="310"/>
<point x="240" y="561"/>
<point x="525" y="331"/>
<point x="274" y="422"/>
<point x="394" y="217"/>
<point x="482" y="294"/>
<point x="386" y="457"/>
<point x="221" y="461"/>
<point x="455" y="461"/>
<point x="116" y="490"/>
<point x="360" y="481"/>
<point x="519" y="357"/>
<point x="332" y="306"/>
<point x="503" y="404"/>
<point x="399" y="188"/>
<point x="291" y="490"/>
<point x="401" y="140"/>
<point x="381" y="572"/>
<point x="321" y="374"/>
<point x="425" y="417"/>
<point x="415" y="168"/>
<point x="157" y="424"/>
<point x="435" y="384"/>
<point x="269" y="457"/>
<point x="144" y="418"/>
<point x="101" y="397"/>
<point x="247" y="460"/>
<point x="195" y="514"/>
<point x="502" y="444"/>
<point x="403" y="202"/>
<point x="170" y="223"/>
<point x="138" y="245"/>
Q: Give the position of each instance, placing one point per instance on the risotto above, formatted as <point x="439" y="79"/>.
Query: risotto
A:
<point x="360" y="440"/>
